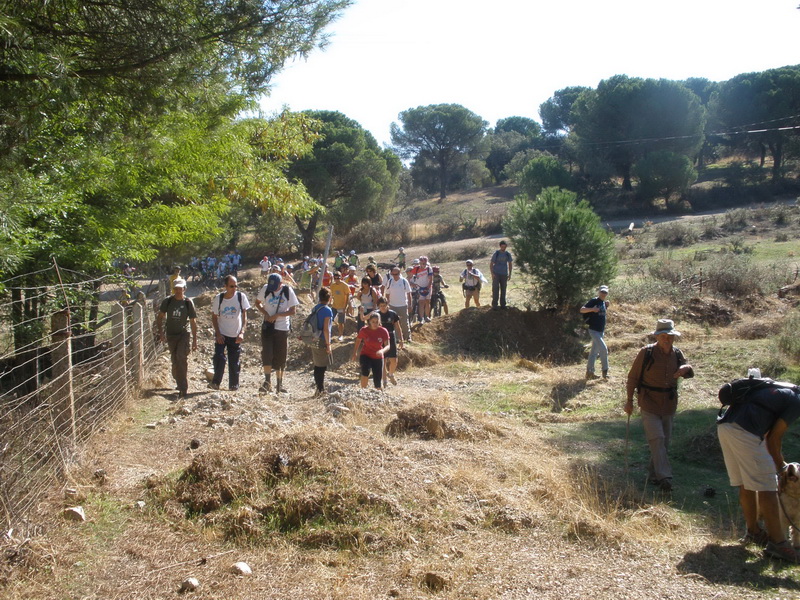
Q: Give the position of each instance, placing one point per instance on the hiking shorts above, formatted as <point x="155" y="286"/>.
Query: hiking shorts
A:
<point x="746" y="459"/>
<point x="274" y="348"/>
<point x="340" y="315"/>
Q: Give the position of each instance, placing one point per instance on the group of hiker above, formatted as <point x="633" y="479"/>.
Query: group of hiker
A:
<point x="750" y="431"/>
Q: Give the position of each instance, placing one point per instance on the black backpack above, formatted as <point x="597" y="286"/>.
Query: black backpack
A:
<point x="739" y="391"/>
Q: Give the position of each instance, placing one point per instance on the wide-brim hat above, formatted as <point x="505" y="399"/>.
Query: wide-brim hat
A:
<point x="666" y="326"/>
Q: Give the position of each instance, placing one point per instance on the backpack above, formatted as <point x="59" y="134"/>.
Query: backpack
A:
<point x="739" y="391"/>
<point x="649" y="360"/>
<point x="309" y="332"/>
<point x="222" y="297"/>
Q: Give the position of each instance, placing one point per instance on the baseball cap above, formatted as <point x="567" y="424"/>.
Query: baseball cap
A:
<point x="603" y="288"/>
<point x="274" y="282"/>
<point x="179" y="282"/>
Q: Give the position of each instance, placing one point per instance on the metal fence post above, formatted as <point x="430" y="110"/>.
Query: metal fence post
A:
<point x="63" y="396"/>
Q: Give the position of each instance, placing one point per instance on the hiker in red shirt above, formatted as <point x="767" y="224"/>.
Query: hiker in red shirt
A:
<point x="373" y="341"/>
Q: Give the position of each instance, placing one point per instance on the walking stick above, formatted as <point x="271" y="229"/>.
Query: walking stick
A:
<point x="627" y="443"/>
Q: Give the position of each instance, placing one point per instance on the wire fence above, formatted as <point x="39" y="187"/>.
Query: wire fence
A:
<point x="72" y="350"/>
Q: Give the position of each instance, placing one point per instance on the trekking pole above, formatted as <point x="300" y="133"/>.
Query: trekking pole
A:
<point x="627" y="442"/>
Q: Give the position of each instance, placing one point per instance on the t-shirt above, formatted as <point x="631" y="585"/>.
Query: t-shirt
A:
<point x="323" y="311"/>
<point x="340" y="294"/>
<point x="178" y="314"/>
<point x="501" y="259"/>
<point x="277" y="299"/>
<point x="374" y="340"/>
<point x="396" y="290"/>
<point x="229" y="313"/>
<point x="596" y="321"/>
<point x="265" y="265"/>
<point x="764" y="407"/>
<point x="423" y="277"/>
<point x="469" y="279"/>
<point x="388" y="320"/>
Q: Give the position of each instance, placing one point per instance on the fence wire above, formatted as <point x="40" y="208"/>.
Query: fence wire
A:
<point x="54" y="396"/>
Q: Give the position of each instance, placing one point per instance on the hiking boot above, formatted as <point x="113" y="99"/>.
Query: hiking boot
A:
<point x="605" y="374"/>
<point x="782" y="551"/>
<point x="213" y="386"/>
<point x="760" y="538"/>
<point x="265" y="388"/>
<point x="234" y="388"/>
<point x="590" y="375"/>
<point x="319" y="392"/>
<point x="665" y="485"/>
<point x="279" y="389"/>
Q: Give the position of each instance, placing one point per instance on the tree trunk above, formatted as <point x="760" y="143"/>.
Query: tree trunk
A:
<point x="442" y="180"/>
<point x="776" y="149"/>
<point x="763" y="155"/>
<point x="626" y="178"/>
<point x="307" y="233"/>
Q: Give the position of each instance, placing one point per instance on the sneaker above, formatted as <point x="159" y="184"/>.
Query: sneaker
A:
<point x="782" y="551"/>
<point x="665" y="485"/>
<point x="279" y="389"/>
<point x="265" y="388"/>
<point x="590" y="376"/>
<point x="341" y="338"/>
<point x="605" y="374"/>
<point x="233" y="388"/>
<point x="213" y="386"/>
<point x="759" y="538"/>
<point x="318" y="393"/>
<point x="392" y="379"/>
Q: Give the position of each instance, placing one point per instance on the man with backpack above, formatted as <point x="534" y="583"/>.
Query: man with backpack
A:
<point x="277" y="302"/>
<point x="500" y="268"/>
<point x="229" y="318"/>
<point x="178" y="312"/>
<point x="594" y="312"/>
<point x="654" y="377"/>
<point x="751" y="434"/>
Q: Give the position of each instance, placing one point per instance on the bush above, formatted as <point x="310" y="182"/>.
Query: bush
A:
<point x="377" y="235"/>
<point x="543" y="172"/>
<point x="559" y="240"/>
<point x="663" y="173"/>
<point x="675" y="234"/>
<point x="733" y="275"/>
<point x="440" y="255"/>
<point x="788" y="339"/>
<point x="473" y="251"/>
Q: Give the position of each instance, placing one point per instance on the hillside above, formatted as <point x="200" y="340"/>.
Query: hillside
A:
<point x="492" y="470"/>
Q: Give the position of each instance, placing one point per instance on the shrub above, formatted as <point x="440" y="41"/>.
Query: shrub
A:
<point x="733" y="275"/>
<point x="389" y="233"/>
<point x="473" y="251"/>
<point x="543" y="172"/>
<point x="440" y="255"/>
<point x="736" y="219"/>
<point x="675" y="234"/>
<point x="559" y="240"/>
<point x="663" y="173"/>
<point x="788" y="339"/>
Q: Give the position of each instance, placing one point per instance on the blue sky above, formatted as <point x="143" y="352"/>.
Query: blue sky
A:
<point x="501" y="58"/>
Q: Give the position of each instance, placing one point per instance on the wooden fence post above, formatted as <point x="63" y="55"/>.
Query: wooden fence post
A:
<point x="63" y="402"/>
<point x="119" y="357"/>
<point x="147" y="328"/>
<point x="137" y="348"/>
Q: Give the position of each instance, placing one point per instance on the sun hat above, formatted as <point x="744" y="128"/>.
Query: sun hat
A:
<point x="274" y="282"/>
<point x="665" y="326"/>
<point x="179" y="282"/>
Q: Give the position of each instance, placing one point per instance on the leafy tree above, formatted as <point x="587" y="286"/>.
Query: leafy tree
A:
<point x="765" y="100"/>
<point x="441" y="133"/>
<point x="510" y="136"/>
<point x="542" y="172"/>
<point x="560" y="242"/>
<point x="348" y="175"/>
<point x="625" y="118"/>
<point x="556" y="111"/>
<point x="663" y="173"/>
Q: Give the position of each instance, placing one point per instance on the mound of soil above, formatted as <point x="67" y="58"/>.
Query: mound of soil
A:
<point x="708" y="312"/>
<point x="534" y="335"/>
<point x="434" y="422"/>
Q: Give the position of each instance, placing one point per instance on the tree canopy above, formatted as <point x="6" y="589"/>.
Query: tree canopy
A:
<point x="441" y="133"/>
<point x="626" y="117"/>
<point x="348" y="175"/>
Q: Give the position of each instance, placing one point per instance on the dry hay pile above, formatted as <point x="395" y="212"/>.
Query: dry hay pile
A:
<point x="436" y="422"/>
<point x="535" y="335"/>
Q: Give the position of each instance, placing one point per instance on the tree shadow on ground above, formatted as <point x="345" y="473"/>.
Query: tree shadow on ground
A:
<point x="728" y="565"/>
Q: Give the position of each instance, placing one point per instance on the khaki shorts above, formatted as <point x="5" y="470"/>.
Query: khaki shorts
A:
<point x="476" y="293"/>
<point x="746" y="459"/>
